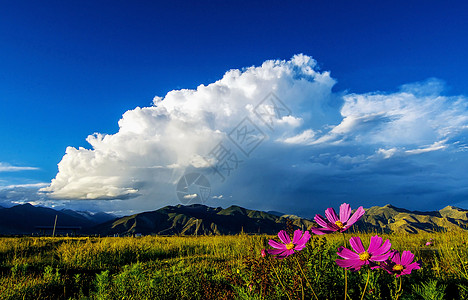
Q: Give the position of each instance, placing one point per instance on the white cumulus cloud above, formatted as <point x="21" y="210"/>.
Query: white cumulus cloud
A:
<point x="156" y="144"/>
<point x="326" y="147"/>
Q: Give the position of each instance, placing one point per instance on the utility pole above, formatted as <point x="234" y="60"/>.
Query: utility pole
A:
<point x="55" y="224"/>
<point x="196" y="229"/>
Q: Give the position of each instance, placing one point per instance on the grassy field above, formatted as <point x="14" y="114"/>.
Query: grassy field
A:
<point x="220" y="267"/>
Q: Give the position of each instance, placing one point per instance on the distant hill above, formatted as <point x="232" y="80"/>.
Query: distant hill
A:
<point x="23" y="219"/>
<point x="201" y="219"/>
<point x="204" y="220"/>
<point x="393" y="219"/>
<point x="275" y="213"/>
<point x="184" y="220"/>
<point x="94" y="218"/>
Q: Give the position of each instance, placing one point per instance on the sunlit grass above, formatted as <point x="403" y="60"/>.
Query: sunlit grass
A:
<point x="206" y="267"/>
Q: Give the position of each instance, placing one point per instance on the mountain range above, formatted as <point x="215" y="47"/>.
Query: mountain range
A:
<point x="203" y="220"/>
<point x="26" y="218"/>
<point x="393" y="219"/>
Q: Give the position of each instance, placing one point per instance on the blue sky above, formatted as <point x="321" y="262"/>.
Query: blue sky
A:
<point x="71" y="69"/>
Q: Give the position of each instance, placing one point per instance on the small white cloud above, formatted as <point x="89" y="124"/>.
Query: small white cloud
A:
<point x="27" y="185"/>
<point x="290" y="121"/>
<point x="387" y="153"/>
<point x="434" y="147"/>
<point x="304" y="138"/>
<point x="190" y="196"/>
<point x="4" y="167"/>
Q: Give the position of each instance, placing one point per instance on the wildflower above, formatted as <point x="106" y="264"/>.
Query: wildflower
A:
<point x="287" y="247"/>
<point x="428" y="243"/>
<point x="376" y="252"/>
<point x="263" y="253"/>
<point x="333" y="223"/>
<point x="401" y="265"/>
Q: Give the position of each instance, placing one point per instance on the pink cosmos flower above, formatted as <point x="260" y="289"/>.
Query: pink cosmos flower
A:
<point x="376" y="252"/>
<point x="333" y="223"/>
<point x="401" y="265"/>
<point x="428" y="243"/>
<point x="287" y="247"/>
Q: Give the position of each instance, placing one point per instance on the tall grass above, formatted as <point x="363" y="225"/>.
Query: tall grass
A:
<point x="214" y="267"/>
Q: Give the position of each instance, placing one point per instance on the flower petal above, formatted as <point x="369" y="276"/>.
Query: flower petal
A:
<point x="321" y="231"/>
<point x="414" y="266"/>
<point x="355" y="217"/>
<point x="345" y="212"/>
<point x="375" y="242"/>
<point x="382" y="257"/>
<point x="331" y="215"/>
<point x="276" y="245"/>
<point x="354" y="264"/>
<point x="383" y="249"/>
<point x="406" y="258"/>
<point x="321" y="221"/>
<point x="299" y="247"/>
<point x="284" y="237"/>
<point x="356" y="244"/>
<point x="286" y="254"/>
<point x="346" y="253"/>
<point x="297" y="236"/>
<point x="396" y="258"/>
<point x="304" y="239"/>
<point x="275" y="251"/>
<point x="334" y="227"/>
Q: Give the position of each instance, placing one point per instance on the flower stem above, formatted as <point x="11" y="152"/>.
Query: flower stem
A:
<point x="302" y="287"/>
<point x="307" y="280"/>
<point x="345" y="272"/>
<point x="395" y="295"/>
<point x="345" y="283"/>
<point x="398" y="293"/>
<point x="277" y="276"/>
<point x="367" y="282"/>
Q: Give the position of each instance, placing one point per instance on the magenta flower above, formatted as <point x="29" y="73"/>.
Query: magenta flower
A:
<point x="355" y="260"/>
<point x="401" y="265"/>
<point x="333" y="223"/>
<point x="263" y="253"/>
<point x="287" y="247"/>
<point x="428" y="243"/>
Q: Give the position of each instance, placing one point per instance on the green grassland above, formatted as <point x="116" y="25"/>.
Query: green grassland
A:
<point x="219" y="267"/>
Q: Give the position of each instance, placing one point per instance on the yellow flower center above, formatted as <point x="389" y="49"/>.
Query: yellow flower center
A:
<point x="339" y="224"/>
<point x="290" y="246"/>
<point x="364" y="256"/>
<point x="398" y="267"/>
